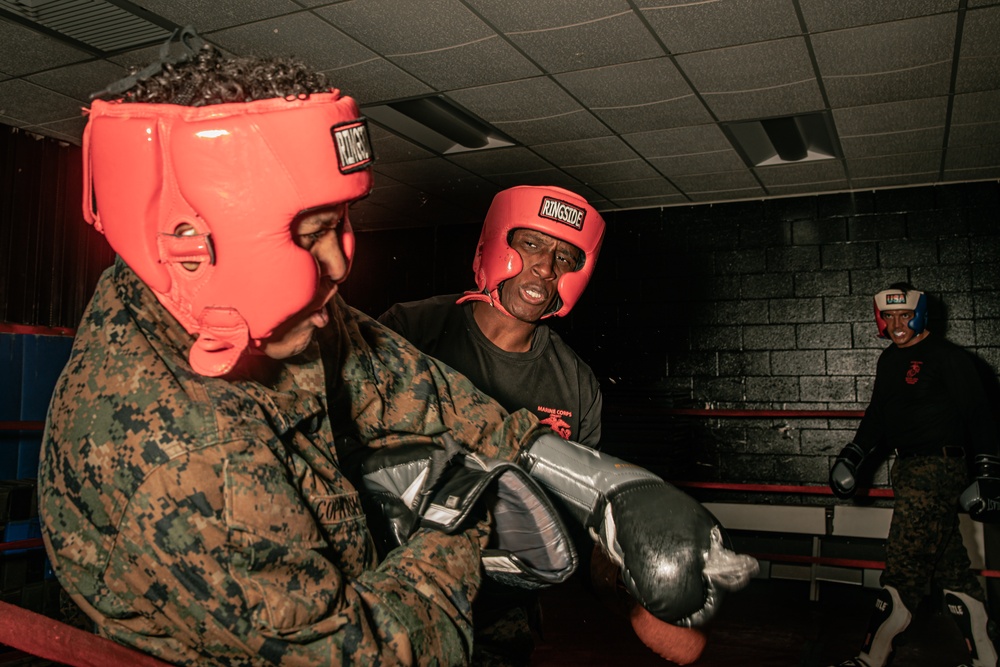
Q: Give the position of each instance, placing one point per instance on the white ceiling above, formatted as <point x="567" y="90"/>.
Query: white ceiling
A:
<point x="620" y="100"/>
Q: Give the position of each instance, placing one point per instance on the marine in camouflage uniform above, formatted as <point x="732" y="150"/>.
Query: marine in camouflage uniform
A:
<point x="929" y="407"/>
<point x="207" y="521"/>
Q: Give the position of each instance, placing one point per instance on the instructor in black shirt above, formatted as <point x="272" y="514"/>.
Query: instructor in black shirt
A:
<point x="929" y="407"/>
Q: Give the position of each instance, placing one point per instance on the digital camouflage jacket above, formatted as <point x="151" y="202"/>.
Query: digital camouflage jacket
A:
<point x="208" y="521"/>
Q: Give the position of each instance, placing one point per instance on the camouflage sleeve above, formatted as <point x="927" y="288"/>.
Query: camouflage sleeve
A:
<point x="224" y="564"/>
<point x="399" y="394"/>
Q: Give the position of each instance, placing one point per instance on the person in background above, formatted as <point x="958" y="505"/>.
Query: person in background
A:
<point x="929" y="407"/>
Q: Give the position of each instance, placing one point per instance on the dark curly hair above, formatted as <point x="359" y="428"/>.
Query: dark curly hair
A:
<point x="209" y="77"/>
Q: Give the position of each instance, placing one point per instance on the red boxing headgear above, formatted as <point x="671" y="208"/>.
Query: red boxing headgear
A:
<point x="554" y="211"/>
<point x="238" y="174"/>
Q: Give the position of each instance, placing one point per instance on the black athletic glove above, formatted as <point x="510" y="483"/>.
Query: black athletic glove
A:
<point x="843" y="475"/>
<point x="982" y="499"/>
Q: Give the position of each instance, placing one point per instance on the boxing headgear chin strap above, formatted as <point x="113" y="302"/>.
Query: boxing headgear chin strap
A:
<point x="897" y="299"/>
<point x="554" y="211"/>
<point x="235" y="176"/>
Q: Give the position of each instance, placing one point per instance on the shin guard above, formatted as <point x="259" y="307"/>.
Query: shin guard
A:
<point x="890" y="618"/>
<point x="971" y="617"/>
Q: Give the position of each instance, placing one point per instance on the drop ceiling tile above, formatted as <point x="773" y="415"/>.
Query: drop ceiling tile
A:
<point x="609" y="172"/>
<point x="809" y="188"/>
<point x="741" y="82"/>
<point x="727" y="180"/>
<point x="980" y="58"/>
<point x="649" y="187"/>
<point x="440" y="42"/>
<point x="477" y="64"/>
<point x="895" y="180"/>
<point x="908" y="59"/>
<point x="823" y="15"/>
<point x="981" y="107"/>
<point x="585" y="151"/>
<point x="651" y="201"/>
<point x="701" y="163"/>
<point x="696" y="26"/>
<point x="523" y="15"/>
<point x="80" y="80"/>
<point x="963" y="175"/>
<point x="34" y="105"/>
<point x="739" y="194"/>
<point x="639" y="96"/>
<point x="375" y="80"/>
<point x="891" y="143"/>
<point x="301" y="36"/>
<point x="392" y="28"/>
<point x="550" y="176"/>
<point x="980" y="134"/>
<point x="208" y="16"/>
<point x="679" y="141"/>
<point x="513" y="160"/>
<point x="973" y="157"/>
<point x="422" y="172"/>
<point x="891" y="117"/>
<point x="531" y="111"/>
<point x="889" y="165"/>
<point x="820" y="171"/>
<point x="562" y="36"/>
<point x="26" y="51"/>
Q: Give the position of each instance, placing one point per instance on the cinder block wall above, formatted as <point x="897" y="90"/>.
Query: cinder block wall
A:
<point x="767" y="305"/>
<point x="752" y="305"/>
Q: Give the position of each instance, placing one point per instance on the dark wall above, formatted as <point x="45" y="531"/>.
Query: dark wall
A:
<point x="756" y="305"/>
<point x="50" y="258"/>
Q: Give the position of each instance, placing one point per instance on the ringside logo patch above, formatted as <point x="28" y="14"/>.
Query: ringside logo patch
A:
<point x="564" y="212"/>
<point x="354" y="149"/>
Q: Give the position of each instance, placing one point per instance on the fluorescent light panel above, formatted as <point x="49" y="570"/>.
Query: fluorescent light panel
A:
<point x="99" y="26"/>
<point x="437" y="124"/>
<point x="786" y="139"/>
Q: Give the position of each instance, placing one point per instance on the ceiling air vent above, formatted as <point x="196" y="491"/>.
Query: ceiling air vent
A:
<point x="101" y="27"/>
<point x="785" y="140"/>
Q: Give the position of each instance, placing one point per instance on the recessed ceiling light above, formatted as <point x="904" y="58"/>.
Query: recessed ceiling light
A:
<point x="785" y="139"/>
<point x="437" y="124"/>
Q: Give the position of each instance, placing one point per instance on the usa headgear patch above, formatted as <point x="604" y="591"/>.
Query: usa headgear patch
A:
<point x="354" y="149"/>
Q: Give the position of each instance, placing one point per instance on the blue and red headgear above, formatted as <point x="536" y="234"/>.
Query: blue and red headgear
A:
<point x="900" y="299"/>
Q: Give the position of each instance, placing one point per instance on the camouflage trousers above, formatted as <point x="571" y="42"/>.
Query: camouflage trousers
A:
<point x="925" y="545"/>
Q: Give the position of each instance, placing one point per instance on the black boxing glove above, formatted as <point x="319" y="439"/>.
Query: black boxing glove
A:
<point x="668" y="547"/>
<point x="982" y="499"/>
<point x="843" y="474"/>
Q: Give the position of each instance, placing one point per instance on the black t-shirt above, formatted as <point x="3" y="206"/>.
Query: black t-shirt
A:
<point x="928" y="395"/>
<point x="549" y="379"/>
